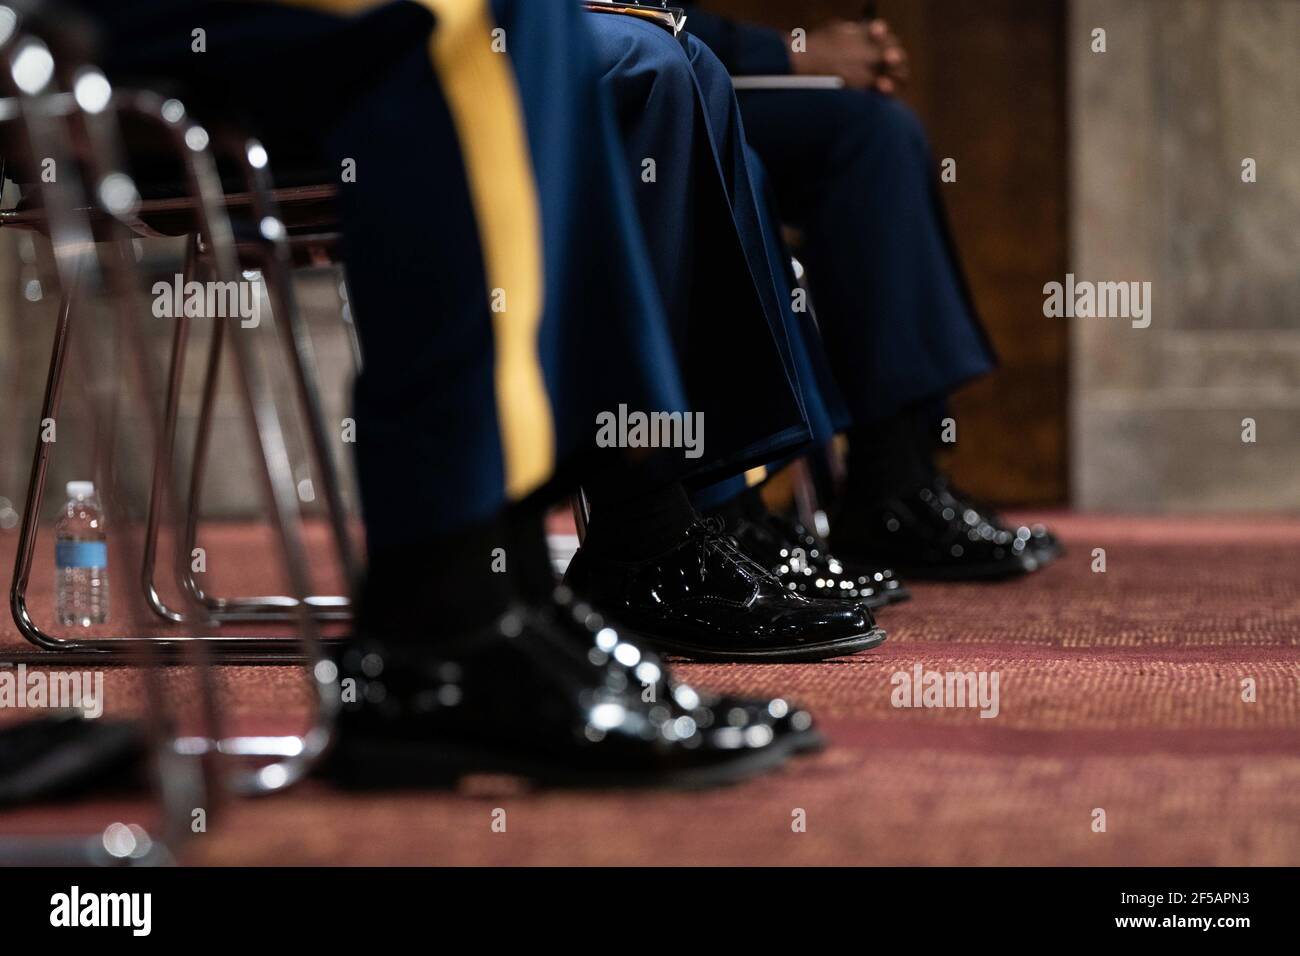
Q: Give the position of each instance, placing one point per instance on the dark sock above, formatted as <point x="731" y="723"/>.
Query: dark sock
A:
<point x="528" y="556"/>
<point x="636" y="524"/>
<point x="748" y="504"/>
<point x="889" y="457"/>
<point x="455" y="582"/>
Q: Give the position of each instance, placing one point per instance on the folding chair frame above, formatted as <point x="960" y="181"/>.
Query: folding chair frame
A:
<point x="57" y="124"/>
<point x="272" y="255"/>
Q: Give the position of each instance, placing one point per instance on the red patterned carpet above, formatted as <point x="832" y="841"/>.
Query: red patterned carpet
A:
<point x="1120" y="692"/>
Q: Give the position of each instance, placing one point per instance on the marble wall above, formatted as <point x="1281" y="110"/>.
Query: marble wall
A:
<point x="1160" y="125"/>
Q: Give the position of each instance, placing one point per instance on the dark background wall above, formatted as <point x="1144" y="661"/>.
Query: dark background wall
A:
<point x="989" y="79"/>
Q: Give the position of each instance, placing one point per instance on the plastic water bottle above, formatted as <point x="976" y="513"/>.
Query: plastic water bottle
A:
<point x="81" y="559"/>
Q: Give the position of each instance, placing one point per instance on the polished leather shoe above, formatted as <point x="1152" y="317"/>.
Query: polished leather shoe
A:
<point x="792" y="727"/>
<point x="933" y="532"/>
<point x="1044" y="546"/>
<point x="555" y="695"/>
<point x="802" y="562"/>
<point x="707" y="600"/>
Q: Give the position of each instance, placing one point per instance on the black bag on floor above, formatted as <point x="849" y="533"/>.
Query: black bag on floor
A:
<point x="66" y="754"/>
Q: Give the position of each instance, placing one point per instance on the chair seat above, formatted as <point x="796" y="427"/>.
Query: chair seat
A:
<point x="304" y="191"/>
<point x="305" y="210"/>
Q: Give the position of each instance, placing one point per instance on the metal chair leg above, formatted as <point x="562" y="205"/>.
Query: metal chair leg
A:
<point x="273" y="257"/>
<point x="274" y="261"/>
<point x="349" y="321"/>
<point x="36" y="484"/>
<point x="162" y="465"/>
<point x="806" y="500"/>
<point x="581" y="513"/>
<point x="273" y="608"/>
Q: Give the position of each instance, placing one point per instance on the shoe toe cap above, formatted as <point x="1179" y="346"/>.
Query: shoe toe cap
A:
<point x="816" y="621"/>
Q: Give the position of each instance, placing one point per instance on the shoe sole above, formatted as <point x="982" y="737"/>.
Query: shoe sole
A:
<point x="999" y="571"/>
<point x="881" y="599"/>
<point x="369" y="762"/>
<point x="897" y="596"/>
<point x="1010" y="567"/>
<point x="1049" y="554"/>
<point x="785" y="655"/>
<point x="1038" y="559"/>
<point x="873" y="603"/>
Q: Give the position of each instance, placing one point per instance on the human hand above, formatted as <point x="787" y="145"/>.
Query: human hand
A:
<point x="865" y="54"/>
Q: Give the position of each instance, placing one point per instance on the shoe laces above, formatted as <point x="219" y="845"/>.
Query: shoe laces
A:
<point x="711" y="537"/>
<point x="968" y="501"/>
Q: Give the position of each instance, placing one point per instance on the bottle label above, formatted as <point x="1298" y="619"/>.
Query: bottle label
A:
<point x="81" y="554"/>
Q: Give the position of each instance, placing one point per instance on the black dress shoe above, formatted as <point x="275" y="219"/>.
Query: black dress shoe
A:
<point x="1045" y="544"/>
<point x="934" y="533"/>
<point x="552" y="694"/>
<point x="1042" y="544"/>
<point x="792" y="727"/>
<point x="802" y="562"/>
<point x="706" y="599"/>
